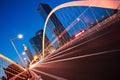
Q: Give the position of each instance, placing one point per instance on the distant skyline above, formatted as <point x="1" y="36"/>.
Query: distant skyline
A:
<point x="20" y="16"/>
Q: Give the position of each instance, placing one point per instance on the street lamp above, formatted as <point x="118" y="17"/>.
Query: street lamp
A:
<point x="20" y="36"/>
<point x="25" y="60"/>
<point x="24" y="53"/>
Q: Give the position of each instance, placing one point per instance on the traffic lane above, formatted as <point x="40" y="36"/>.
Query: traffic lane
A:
<point x="112" y="34"/>
<point x="107" y="42"/>
<point x="99" y="67"/>
<point x="89" y="48"/>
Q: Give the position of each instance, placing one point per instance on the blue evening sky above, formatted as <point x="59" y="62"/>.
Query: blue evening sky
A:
<point x="20" y="16"/>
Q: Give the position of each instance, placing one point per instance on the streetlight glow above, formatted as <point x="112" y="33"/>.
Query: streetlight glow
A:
<point x="78" y="19"/>
<point x="23" y="53"/>
<point x="20" y="36"/>
<point x="25" y="58"/>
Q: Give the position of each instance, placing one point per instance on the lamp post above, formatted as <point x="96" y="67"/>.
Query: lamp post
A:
<point x="24" y="53"/>
<point x="20" y="36"/>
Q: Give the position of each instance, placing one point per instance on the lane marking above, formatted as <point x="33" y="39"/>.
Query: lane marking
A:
<point x="75" y="46"/>
<point x="83" y="56"/>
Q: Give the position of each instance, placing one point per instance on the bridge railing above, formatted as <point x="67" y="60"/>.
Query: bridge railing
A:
<point x="9" y="69"/>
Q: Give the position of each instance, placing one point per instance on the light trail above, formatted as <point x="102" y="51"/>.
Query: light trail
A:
<point x="50" y="75"/>
<point x="66" y="50"/>
<point x="11" y="69"/>
<point x="31" y="66"/>
<point x="12" y="73"/>
<point x="16" y="76"/>
<point x="91" y="3"/>
<point x="72" y="42"/>
<point x="9" y="60"/>
<point x="36" y="77"/>
<point x="76" y="46"/>
<point x="83" y="56"/>
<point x="51" y="59"/>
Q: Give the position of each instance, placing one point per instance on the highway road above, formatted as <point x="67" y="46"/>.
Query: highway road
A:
<point x="94" y="57"/>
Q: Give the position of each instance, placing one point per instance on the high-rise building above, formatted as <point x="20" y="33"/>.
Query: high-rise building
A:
<point x="44" y="10"/>
<point x="28" y="53"/>
<point x="40" y="34"/>
<point x="36" y="41"/>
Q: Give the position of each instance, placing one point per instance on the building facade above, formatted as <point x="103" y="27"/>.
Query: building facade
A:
<point x="36" y="41"/>
<point x="28" y="53"/>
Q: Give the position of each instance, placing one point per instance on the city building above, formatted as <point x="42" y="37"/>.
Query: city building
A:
<point x="44" y="10"/>
<point x="36" y="42"/>
<point x="28" y="53"/>
<point x="40" y="34"/>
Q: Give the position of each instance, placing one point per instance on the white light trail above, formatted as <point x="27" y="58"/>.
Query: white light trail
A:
<point x="53" y="57"/>
<point x="83" y="56"/>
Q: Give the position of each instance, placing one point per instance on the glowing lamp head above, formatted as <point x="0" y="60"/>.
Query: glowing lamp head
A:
<point x="23" y="53"/>
<point x="25" y="58"/>
<point x="20" y="36"/>
<point x="78" y="19"/>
